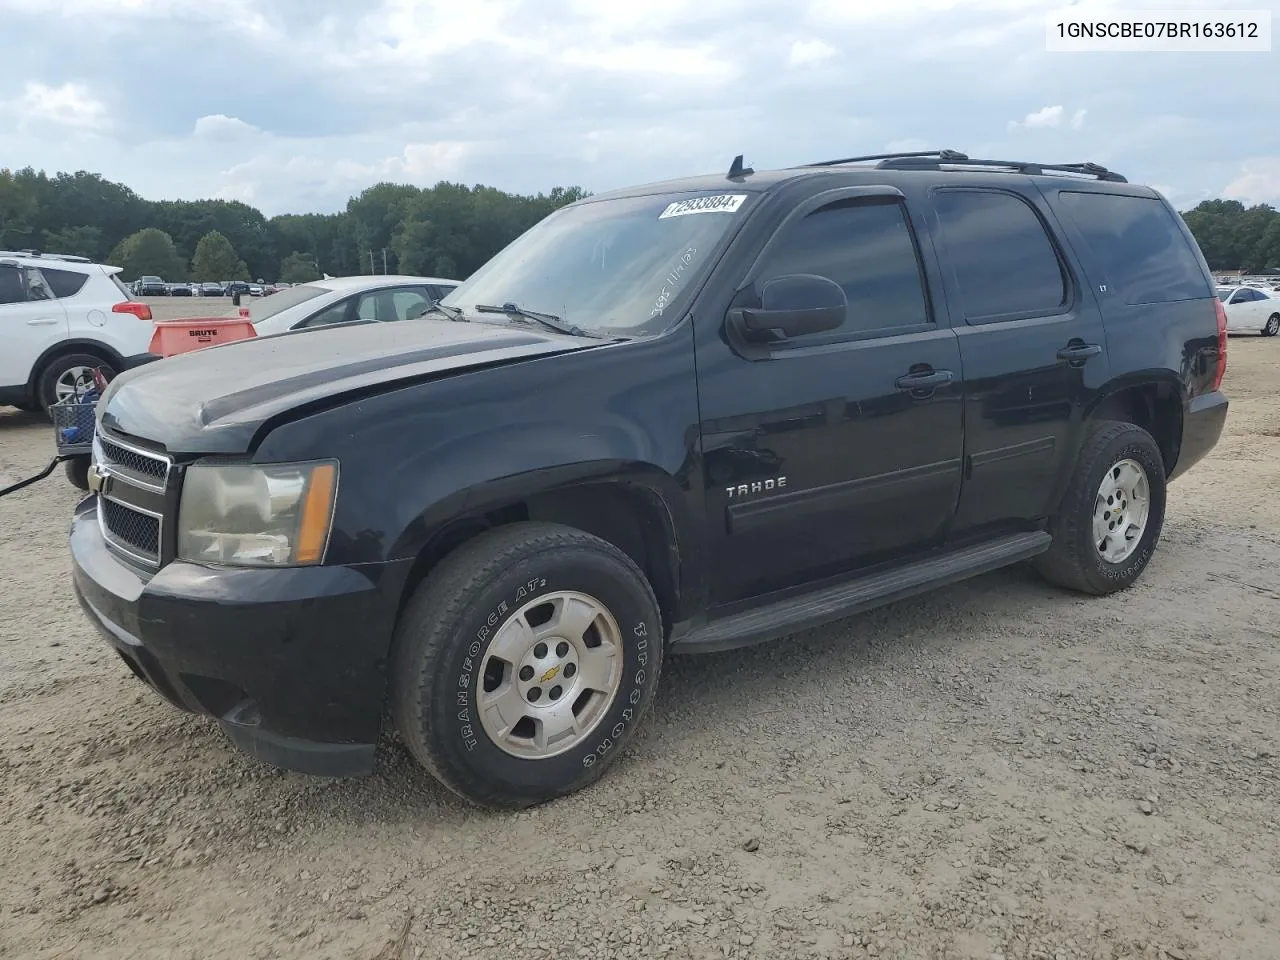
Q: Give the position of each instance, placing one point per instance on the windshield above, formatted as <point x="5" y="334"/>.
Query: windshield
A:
<point x="284" y="300"/>
<point x="621" y="266"/>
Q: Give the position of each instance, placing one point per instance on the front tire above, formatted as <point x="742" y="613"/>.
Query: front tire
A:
<point x="1110" y="520"/>
<point x="1273" y="325"/>
<point x="77" y="471"/>
<point x="524" y="664"/>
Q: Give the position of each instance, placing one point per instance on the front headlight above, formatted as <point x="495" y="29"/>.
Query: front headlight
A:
<point x="257" y="514"/>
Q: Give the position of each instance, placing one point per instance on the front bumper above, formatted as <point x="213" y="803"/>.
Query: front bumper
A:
<point x="292" y="662"/>
<point x="1202" y="425"/>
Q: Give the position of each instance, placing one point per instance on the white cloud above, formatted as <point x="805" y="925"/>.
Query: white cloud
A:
<point x="901" y="10"/>
<point x="1044" y="117"/>
<point x="702" y="61"/>
<point x="70" y="106"/>
<point x="285" y="167"/>
<point x="431" y="161"/>
<point x="810" y="51"/>
<point x="1257" y="182"/>
<point x="218" y="126"/>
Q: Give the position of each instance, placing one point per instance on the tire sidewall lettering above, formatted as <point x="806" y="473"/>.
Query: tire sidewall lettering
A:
<point x="613" y="729"/>
<point x="1128" y="570"/>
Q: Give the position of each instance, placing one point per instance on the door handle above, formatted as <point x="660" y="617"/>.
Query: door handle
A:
<point x="924" y="380"/>
<point x="1077" y="353"/>
<point x="42" y="322"/>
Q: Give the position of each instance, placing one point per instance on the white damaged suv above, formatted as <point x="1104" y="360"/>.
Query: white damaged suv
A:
<point x="61" y="316"/>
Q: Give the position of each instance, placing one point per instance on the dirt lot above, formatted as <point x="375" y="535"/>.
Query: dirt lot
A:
<point x="996" y="770"/>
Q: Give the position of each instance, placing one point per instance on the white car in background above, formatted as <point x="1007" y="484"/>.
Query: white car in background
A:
<point x="60" y="317"/>
<point x="1251" y="310"/>
<point x="346" y="300"/>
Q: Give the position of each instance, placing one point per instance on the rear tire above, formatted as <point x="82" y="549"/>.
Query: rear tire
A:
<point x="558" y="631"/>
<point x="1110" y="519"/>
<point x="1273" y="325"/>
<point x="61" y="374"/>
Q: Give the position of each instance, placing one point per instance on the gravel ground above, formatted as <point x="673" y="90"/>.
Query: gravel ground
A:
<point x="999" y="769"/>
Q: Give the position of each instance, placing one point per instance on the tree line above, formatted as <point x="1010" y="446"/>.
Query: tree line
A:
<point x="447" y="230"/>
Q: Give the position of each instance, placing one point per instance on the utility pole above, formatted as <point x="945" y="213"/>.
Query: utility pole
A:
<point x="384" y="261"/>
<point x="372" y="268"/>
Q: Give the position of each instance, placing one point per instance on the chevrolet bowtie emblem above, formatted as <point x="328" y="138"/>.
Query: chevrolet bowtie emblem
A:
<point x="98" y="478"/>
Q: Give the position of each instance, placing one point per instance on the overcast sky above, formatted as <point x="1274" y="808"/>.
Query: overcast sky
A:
<point x="294" y="105"/>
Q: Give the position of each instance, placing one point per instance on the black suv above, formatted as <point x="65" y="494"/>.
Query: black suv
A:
<point x="681" y="417"/>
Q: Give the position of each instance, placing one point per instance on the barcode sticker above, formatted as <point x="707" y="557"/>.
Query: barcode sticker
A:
<point x="724" y="203"/>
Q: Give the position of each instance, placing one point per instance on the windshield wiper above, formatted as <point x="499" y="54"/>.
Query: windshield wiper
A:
<point x="453" y="313"/>
<point x="549" y="320"/>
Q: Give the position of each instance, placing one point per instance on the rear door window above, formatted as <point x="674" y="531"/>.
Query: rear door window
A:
<point x="11" y="289"/>
<point x="1138" y="245"/>
<point x="1003" y="260"/>
<point x="64" y="283"/>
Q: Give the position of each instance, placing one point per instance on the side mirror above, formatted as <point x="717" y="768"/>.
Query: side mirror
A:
<point x="793" y="306"/>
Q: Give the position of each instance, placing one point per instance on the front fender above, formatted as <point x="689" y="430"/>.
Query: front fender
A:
<point x="415" y="458"/>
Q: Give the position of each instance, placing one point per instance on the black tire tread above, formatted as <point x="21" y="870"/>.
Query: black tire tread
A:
<point x="77" y="471"/>
<point x="434" y="610"/>
<point x="1061" y="564"/>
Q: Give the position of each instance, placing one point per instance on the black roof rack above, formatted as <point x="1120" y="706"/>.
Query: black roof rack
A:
<point x="1095" y="170"/>
<point x="947" y="155"/>
<point x="33" y="254"/>
<point x="937" y="159"/>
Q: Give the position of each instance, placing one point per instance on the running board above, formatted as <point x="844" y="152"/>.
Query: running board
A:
<point x="794" y="614"/>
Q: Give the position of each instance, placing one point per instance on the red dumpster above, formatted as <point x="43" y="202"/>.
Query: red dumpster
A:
<point x="192" y="333"/>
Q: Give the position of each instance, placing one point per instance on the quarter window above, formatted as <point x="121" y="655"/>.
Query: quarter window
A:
<point x="65" y="283"/>
<point x="1138" y="245"/>
<point x="1003" y="260"/>
<point x="868" y="249"/>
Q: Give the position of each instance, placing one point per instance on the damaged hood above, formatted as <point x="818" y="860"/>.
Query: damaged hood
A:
<point x="216" y="399"/>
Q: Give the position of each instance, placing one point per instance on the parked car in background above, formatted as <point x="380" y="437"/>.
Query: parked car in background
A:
<point x="60" y="317"/>
<point x="348" y="300"/>
<point x="149" y="286"/>
<point x="179" y="289"/>
<point x="210" y="289"/>
<point x="232" y="287"/>
<point x="1251" y="310"/>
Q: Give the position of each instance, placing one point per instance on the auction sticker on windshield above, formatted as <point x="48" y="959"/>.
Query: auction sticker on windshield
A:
<point x="724" y="203"/>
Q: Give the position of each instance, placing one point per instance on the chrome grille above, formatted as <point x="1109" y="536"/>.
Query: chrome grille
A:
<point x="133" y="499"/>
<point x="124" y="460"/>
<point x="137" y="532"/>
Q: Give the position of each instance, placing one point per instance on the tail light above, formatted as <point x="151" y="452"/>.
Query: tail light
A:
<point x="1222" y="344"/>
<point x="139" y="310"/>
